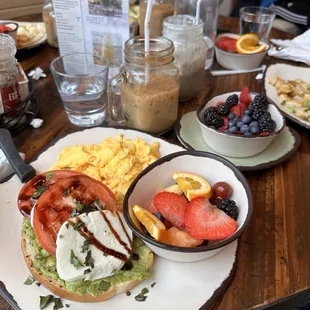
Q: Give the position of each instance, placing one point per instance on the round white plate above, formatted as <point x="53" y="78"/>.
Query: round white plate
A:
<point x="285" y="72"/>
<point x="178" y="285"/>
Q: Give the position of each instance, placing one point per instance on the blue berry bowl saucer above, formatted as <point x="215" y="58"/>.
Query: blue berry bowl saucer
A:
<point x="280" y="149"/>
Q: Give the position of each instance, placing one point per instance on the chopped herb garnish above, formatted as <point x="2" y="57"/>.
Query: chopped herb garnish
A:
<point x="45" y="301"/>
<point x="105" y="254"/>
<point x="89" y="261"/>
<point x="128" y="293"/>
<point x="74" y="213"/>
<point x="74" y="261"/>
<point x="79" y="206"/>
<point x="135" y="256"/>
<point x="61" y="236"/>
<point x="29" y="280"/>
<point x="78" y="225"/>
<point x="38" y="283"/>
<point x="57" y="304"/>
<point x="67" y="225"/>
<point x="104" y="286"/>
<point x="153" y="284"/>
<point x="39" y="191"/>
<point x="48" y="175"/>
<point x="85" y="245"/>
<point x="283" y="102"/>
<point x="86" y="271"/>
<point x="141" y="296"/>
<point x="65" y="192"/>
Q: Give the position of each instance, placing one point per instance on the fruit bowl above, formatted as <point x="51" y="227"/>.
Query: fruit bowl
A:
<point x="232" y="145"/>
<point x="234" y="61"/>
<point x="157" y="176"/>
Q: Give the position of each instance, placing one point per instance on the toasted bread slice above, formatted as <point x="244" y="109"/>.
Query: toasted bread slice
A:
<point x="58" y="289"/>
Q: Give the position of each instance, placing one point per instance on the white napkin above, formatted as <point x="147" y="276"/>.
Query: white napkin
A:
<point x="5" y="167"/>
<point x="297" y="49"/>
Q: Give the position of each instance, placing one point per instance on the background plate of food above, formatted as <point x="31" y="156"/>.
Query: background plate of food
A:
<point x="289" y="88"/>
<point x="114" y="157"/>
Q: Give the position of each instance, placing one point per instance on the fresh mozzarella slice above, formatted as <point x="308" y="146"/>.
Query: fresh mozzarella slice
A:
<point x="70" y="238"/>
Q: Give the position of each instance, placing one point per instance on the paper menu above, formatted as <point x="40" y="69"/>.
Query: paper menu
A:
<point x="100" y="27"/>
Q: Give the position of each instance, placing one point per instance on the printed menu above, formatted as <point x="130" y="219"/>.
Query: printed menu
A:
<point x="100" y="27"/>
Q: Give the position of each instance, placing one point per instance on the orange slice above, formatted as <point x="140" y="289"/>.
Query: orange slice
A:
<point x="192" y="185"/>
<point x="249" y="44"/>
<point x="153" y="225"/>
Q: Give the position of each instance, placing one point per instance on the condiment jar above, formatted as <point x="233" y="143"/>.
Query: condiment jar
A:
<point x="50" y="23"/>
<point x="9" y="89"/>
<point x="190" y="52"/>
<point x="149" y="87"/>
<point x="160" y="10"/>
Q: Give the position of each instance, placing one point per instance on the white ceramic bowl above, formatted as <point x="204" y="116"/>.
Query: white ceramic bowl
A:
<point x="232" y="145"/>
<point x="158" y="176"/>
<point x="236" y="61"/>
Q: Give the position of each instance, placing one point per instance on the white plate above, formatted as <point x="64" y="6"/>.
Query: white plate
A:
<point x="285" y="72"/>
<point x="178" y="285"/>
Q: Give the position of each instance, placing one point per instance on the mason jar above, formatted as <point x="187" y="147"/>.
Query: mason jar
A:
<point x="190" y="52"/>
<point x="149" y="87"/>
<point x="160" y="10"/>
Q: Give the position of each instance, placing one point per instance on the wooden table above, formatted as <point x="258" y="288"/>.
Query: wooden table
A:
<point x="273" y="261"/>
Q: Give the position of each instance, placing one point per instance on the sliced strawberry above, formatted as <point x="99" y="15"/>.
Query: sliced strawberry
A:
<point x="151" y="208"/>
<point x="218" y="103"/>
<point x="225" y="125"/>
<point x="264" y="133"/>
<point x="172" y="207"/>
<point x="227" y="44"/>
<point x="236" y="110"/>
<point x="245" y="96"/>
<point x="243" y="107"/>
<point x="205" y="221"/>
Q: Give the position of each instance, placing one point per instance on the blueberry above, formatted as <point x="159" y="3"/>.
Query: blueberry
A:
<point x="246" y="119"/>
<point x="254" y="123"/>
<point x="239" y="124"/>
<point x="244" y="128"/>
<point x="247" y="112"/>
<point x="233" y="129"/>
<point x="159" y="216"/>
<point x="231" y="123"/>
<point x="247" y="134"/>
<point x="254" y="130"/>
<point x="231" y="115"/>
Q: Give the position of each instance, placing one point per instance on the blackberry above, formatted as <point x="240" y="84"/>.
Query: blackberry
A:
<point x="210" y="110"/>
<point x="229" y="207"/>
<point x="258" y="112"/>
<point x="232" y="100"/>
<point x="260" y="100"/>
<point x="266" y="124"/>
<point x="213" y="119"/>
<point x="224" y="108"/>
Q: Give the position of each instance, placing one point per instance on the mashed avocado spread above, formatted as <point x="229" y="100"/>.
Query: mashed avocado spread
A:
<point x="46" y="264"/>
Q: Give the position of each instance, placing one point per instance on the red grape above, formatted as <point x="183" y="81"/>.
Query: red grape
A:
<point x="222" y="190"/>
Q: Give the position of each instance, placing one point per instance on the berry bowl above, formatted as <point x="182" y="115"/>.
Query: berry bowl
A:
<point x="235" y="61"/>
<point x="237" y="136"/>
<point x="155" y="188"/>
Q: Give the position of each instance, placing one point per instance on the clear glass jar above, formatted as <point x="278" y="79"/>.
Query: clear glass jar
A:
<point x="9" y="88"/>
<point x="160" y="10"/>
<point x="149" y="87"/>
<point x="190" y="52"/>
<point x="50" y="23"/>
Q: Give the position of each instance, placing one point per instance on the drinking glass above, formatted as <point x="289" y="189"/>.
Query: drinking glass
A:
<point x="255" y="19"/>
<point x="81" y="80"/>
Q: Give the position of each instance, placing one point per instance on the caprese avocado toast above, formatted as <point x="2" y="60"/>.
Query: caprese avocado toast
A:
<point x="75" y="241"/>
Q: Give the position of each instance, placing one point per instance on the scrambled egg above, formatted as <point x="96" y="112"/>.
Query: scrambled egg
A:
<point x="115" y="161"/>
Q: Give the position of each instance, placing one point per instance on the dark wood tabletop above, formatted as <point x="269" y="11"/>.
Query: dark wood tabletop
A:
<point x="273" y="260"/>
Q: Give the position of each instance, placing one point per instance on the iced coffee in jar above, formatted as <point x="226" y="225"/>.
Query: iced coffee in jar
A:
<point x="160" y="10"/>
<point x="149" y="87"/>
<point x="190" y="52"/>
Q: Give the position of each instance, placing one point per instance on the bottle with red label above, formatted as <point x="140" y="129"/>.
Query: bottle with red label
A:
<point x="9" y="90"/>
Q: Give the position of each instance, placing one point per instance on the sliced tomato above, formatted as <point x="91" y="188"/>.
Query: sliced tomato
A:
<point x="34" y="188"/>
<point x="56" y="204"/>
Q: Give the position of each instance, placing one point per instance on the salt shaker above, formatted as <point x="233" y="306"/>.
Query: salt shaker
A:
<point x="9" y="89"/>
<point x="50" y="23"/>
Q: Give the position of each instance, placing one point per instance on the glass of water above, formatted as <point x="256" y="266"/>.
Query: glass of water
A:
<point x="255" y="19"/>
<point x="82" y="80"/>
